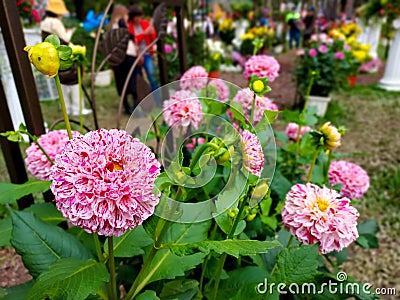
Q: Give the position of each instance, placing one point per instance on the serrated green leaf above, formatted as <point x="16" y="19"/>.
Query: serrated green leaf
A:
<point x="11" y="192"/>
<point x="235" y="248"/>
<point x="297" y="265"/>
<point x="53" y="39"/>
<point x="47" y="212"/>
<point x="270" y="115"/>
<point x="41" y="244"/>
<point x="69" y="279"/>
<point x="131" y="243"/>
<point x="64" y="52"/>
<point x="147" y="295"/>
<point x="237" y="111"/>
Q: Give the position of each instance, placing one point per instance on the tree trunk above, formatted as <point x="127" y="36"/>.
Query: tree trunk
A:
<point x="80" y="13"/>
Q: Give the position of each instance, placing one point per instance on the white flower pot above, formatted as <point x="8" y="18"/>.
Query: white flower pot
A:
<point x="103" y="78"/>
<point x="320" y="102"/>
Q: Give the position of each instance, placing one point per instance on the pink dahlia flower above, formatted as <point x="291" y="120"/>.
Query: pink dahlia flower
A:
<point x="323" y="49"/>
<point x="300" y="52"/>
<point x="312" y="52"/>
<point x="339" y="55"/>
<point x="320" y="215"/>
<point x="167" y="48"/>
<point x="222" y="89"/>
<point x="262" y="66"/>
<point x="103" y="182"/>
<point x="182" y="109"/>
<point x="354" y="178"/>
<point x="253" y="156"/>
<point x="293" y="128"/>
<point x="194" y="78"/>
<point x="245" y="98"/>
<point x="53" y="143"/>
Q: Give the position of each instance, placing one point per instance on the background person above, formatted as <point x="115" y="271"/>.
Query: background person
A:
<point x="119" y="19"/>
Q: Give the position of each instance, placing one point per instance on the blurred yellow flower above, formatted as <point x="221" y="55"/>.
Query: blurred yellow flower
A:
<point x="331" y="136"/>
<point x="78" y="49"/>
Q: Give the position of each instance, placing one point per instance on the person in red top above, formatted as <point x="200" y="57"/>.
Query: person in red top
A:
<point x="144" y="34"/>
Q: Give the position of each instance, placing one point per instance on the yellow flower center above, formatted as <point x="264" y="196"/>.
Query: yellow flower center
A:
<point x="258" y="86"/>
<point x="117" y="167"/>
<point x="323" y="204"/>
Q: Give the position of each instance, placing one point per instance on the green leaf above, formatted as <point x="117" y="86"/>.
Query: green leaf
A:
<point x="64" y="52"/>
<point x="53" y="39"/>
<point x="5" y="231"/>
<point x="367" y="234"/>
<point x="147" y="295"/>
<point x="310" y="117"/>
<point x="297" y="265"/>
<point x="47" y="212"/>
<point x="242" y="284"/>
<point x="235" y="248"/>
<point x="65" y="64"/>
<point x="130" y="243"/>
<point x="270" y="115"/>
<point x="41" y="244"/>
<point x="68" y="279"/>
<point x="237" y="111"/>
<point x="280" y="185"/>
<point x="11" y="192"/>
<point x="180" y="289"/>
<point x="16" y="292"/>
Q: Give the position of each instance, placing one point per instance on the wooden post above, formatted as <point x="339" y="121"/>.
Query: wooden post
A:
<point x="181" y="38"/>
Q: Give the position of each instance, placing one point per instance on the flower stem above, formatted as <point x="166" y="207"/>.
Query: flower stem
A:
<point x="80" y="98"/>
<point x="307" y="96"/>
<point x="63" y="107"/>
<point x="98" y="248"/>
<point x="204" y="265"/>
<point x="220" y="267"/>
<point x="111" y="268"/>
<point x="316" y="153"/>
<point x="253" y="105"/>
<point x="327" y="167"/>
<point x="35" y="140"/>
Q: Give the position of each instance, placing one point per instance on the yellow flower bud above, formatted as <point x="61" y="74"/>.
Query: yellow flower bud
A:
<point x="260" y="191"/>
<point x="45" y="58"/>
<point x="78" y="49"/>
<point x="251" y="217"/>
<point x="258" y="86"/>
<point x="331" y="136"/>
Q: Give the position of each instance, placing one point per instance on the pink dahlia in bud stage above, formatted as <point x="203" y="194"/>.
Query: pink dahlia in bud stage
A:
<point x="253" y="156"/>
<point x="103" y="182"/>
<point x="320" y="215"/>
<point x="292" y="130"/>
<point x="354" y="179"/>
<point x="262" y="66"/>
<point x="323" y="49"/>
<point x="245" y="98"/>
<point x="312" y="52"/>
<point x="53" y="143"/>
<point x="182" y="109"/>
<point x="339" y="55"/>
<point x="194" y="78"/>
<point x="222" y="89"/>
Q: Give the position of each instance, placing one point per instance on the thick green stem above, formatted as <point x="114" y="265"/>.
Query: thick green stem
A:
<point x="220" y="267"/>
<point x="63" y="107"/>
<point x="312" y="164"/>
<point x="307" y="96"/>
<point x="327" y="167"/>
<point x="80" y="98"/>
<point x="99" y="253"/>
<point x="111" y="269"/>
<point x="204" y="265"/>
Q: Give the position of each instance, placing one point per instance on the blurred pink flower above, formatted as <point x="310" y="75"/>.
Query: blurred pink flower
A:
<point x="53" y="143"/>
<point x="354" y="178"/>
<point x="323" y="49"/>
<point x="320" y="215"/>
<point x="312" y="52"/>
<point x="245" y="98"/>
<point x="300" y="52"/>
<point x="293" y="128"/>
<point x="347" y="47"/>
<point x="222" y="89"/>
<point x="262" y="66"/>
<point x="103" y="182"/>
<point x="194" y="78"/>
<point x="167" y="48"/>
<point x="253" y="156"/>
<point x="339" y="55"/>
<point x="182" y="109"/>
<point x="195" y="142"/>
